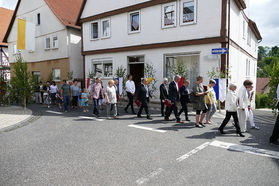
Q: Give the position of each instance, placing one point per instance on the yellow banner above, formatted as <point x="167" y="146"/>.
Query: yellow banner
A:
<point x="21" y="31"/>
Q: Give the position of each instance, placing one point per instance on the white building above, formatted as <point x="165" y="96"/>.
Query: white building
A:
<point x="57" y="38"/>
<point x="163" y="33"/>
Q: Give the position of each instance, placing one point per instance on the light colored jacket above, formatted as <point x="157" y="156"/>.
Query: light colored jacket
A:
<point x="243" y="98"/>
<point x="231" y="101"/>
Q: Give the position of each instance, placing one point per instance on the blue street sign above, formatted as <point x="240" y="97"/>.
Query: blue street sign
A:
<point x="219" y="51"/>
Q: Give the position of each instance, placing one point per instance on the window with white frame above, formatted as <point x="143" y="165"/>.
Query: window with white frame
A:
<point x="169" y="15"/>
<point x="102" y="68"/>
<point x="37" y="75"/>
<point x="47" y="43"/>
<point x="244" y="29"/>
<point x="249" y="37"/>
<point x="105" y="24"/>
<point x="95" y="30"/>
<point x="134" y="22"/>
<point x="56" y="75"/>
<point x="54" y="42"/>
<point x="248" y="67"/>
<point x="188" y="12"/>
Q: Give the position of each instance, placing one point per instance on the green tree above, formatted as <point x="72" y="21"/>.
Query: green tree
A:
<point x="180" y="69"/>
<point x="21" y="82"/>
<point x="121" y="72"/>
<point x="273" y="83"/>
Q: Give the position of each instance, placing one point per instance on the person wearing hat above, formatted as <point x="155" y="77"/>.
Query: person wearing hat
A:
<point x="210" y="100"/>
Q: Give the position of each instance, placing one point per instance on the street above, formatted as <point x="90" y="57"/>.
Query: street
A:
<point x="75" y="148"/>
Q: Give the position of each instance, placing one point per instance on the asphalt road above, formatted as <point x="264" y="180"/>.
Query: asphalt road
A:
<point x="76" y="149"/>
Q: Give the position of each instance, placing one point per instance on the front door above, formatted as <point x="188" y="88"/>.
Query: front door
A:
<point x="136" y="66"/>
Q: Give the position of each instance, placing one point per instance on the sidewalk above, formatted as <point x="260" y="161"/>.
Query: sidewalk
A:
<point x="13" y="115"/>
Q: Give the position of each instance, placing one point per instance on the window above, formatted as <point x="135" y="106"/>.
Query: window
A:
<point x="134" y="22"/>
<point x="249" y="37"/>
<point x="47" y="43"/>
<point x="37" y="75"/>
<point x="94" y="30"/>
<point x="38" y="19"/>
<point x="105" y="28"/>
<point x="188" y="12"/>
<point x="244" y="29"/>
<point x="169" y="15"/>
<point x="102" y="68"/>
<point x="188" y="61"/>
<point x="247" y="67"/>
<point x="54" y="42"/>
<point x="56" y="75"/>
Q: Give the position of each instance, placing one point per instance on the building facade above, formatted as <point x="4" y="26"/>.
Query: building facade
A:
<point x="165" y="33"/>
<point x="5" y="18"/>
<point x="57" y="38"/>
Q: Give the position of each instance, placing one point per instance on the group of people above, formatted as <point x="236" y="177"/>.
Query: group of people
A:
<point x="69" y="94"/>
<point x="203" y="99"/>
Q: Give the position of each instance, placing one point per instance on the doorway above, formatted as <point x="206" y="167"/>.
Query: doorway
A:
<point x="136" y="68"/>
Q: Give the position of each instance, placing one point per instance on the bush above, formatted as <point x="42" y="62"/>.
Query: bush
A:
<point x="263" y="101"/>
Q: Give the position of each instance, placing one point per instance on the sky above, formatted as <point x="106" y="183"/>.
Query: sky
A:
<point x="264" y="12"/>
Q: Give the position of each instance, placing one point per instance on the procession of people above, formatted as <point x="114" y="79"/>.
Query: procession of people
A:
<point x="173" y="96"/>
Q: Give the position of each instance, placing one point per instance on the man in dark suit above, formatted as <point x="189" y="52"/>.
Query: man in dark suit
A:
<point x="275" y="135"/>
<point x="184" y="99"/>
<point x="143" y="96"/>
<point x="173" y="97"/>
<point x="163" y="95"/>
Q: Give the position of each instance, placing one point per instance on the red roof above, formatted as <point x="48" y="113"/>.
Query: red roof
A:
<point x="5" y="18"/>
<point x="67" y="11"/>
<point x="261" y="84"/>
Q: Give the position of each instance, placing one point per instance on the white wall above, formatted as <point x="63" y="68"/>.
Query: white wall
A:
<point x="50" y="26"/>
<point x="156" y="57"/>
<point x="76" y="62"/>
<point x="236" y="33"/>
<point x="107" y="5"/>
<point x="208" y="25"/>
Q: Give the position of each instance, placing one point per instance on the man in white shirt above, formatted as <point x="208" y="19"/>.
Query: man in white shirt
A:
<point x="243" y="99"/>
<point x="130" y="89"/>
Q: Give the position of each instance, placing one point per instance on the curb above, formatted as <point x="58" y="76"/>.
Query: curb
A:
<point x="33" y="117"/>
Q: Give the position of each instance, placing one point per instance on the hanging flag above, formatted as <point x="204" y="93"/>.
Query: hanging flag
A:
<point x="222" y="89"/>
<point x="25" y="35"/>
<point x="88" y="83"/>
<point x="149" y="80"/>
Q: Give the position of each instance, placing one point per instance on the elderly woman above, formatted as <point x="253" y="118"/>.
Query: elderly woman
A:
<point x="231" y="110"/>
<point x="199" y="102"/>
<point x="210" y="100"/>
<point x="110" y="96"/>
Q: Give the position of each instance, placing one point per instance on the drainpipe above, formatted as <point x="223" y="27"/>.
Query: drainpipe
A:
<point x="229" y="31"/>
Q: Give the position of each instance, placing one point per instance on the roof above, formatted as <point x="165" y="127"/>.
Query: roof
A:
<point x="67" y="11"/>
<point x="5" y="18"/>
<point x="255" y="29"/>
<point x="240" y="4"/>
<point x="261" y="84"/>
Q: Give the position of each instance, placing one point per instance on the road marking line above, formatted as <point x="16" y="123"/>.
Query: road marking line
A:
<point x="194" y="151"/>
<point x="149" y="176"/>
<point x="147" y="128"/>
<point x="53" y="112"/>
<point x="245" y="149"/>
<point x="92" y="118"/>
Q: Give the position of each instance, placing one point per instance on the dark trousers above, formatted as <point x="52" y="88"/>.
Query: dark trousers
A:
<point x="227" y="119"/>
<point x="75" y="101"/>
<point x="42" y="94"/>
<point x="96" y="106"/>
<point x="144" y="105"/>
<point x="162" y="108"/>
<point x="53" y="98"/>
<point x="275" y="133"/>
<point x="131" y="101"/>
<point x="174" y="109"/>
<point x="66" y="100"/>
<point x="184" y="109"/>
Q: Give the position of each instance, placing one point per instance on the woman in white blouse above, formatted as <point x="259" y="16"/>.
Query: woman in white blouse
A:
<point x="111" y="99"/>
<point x="231" y="110"/>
